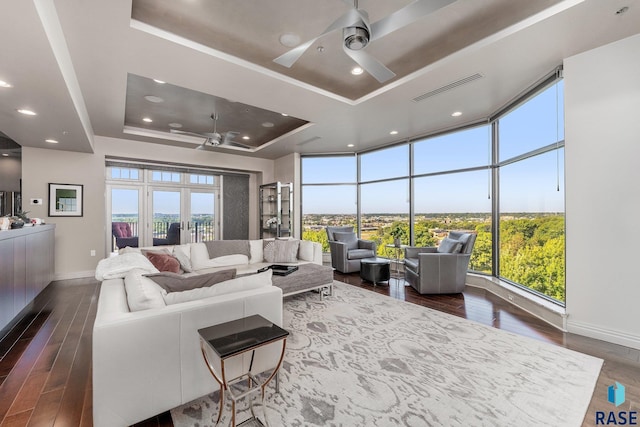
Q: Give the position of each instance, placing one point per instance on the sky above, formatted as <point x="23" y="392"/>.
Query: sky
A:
<point x="526" y="186"/>
<point x="125" y="201"/>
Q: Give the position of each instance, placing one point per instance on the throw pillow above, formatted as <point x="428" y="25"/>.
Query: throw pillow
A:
<point x="305" y="252"/>
<point x="182" y="252"/>
<point x="449" y="246"/>
<point x="172" y="282"/>
<point x="281" y="250"/>
<point x="142" y="292"/>
<point x="350" y="239"/>
<point x="239" y="284"/>
<point x="163" y="261"/>
<point x="255" y="248"/>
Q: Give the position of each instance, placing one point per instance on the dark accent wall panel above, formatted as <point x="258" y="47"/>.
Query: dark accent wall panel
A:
<point x="235" y="195"/>
<point x="26" y="268"/>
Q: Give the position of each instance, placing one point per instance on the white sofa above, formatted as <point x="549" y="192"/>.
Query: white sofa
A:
<point x="149" y="361"/>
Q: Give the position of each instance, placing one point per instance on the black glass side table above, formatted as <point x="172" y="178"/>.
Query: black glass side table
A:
<point x="233" y="339"/>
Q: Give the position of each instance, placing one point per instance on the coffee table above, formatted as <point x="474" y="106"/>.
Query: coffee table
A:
<point x="232" y="339"/>
<point x="375" y="269"/>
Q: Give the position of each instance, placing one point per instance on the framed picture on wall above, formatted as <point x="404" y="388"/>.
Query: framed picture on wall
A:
<point x="65" y="199"/>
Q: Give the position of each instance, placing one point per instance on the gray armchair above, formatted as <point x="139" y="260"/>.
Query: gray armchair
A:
<point x="441" y="270"/>
<point x="347" y="250"/>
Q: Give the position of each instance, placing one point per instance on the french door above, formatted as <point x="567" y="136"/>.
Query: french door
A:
<point x="153" y="215"/>
<point x="182" y="215"/>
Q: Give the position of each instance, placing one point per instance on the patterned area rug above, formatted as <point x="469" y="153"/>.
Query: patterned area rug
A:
<point x="364" y="359"/>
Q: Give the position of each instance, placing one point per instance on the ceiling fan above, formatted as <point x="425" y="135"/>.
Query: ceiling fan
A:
<point x="358" y="33"/>
<point x="214" y="138"/>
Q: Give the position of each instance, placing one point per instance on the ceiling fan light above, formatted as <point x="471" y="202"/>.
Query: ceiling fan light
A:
<point x="355" y="38"/>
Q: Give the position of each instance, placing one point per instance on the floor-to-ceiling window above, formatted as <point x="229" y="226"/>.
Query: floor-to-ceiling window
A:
<point x="329" y="196"/>
<point x="452" y="190"/>
<point x="420" y="190"/>
<point x="384" y="196"/>
<point x="532" y="227"/>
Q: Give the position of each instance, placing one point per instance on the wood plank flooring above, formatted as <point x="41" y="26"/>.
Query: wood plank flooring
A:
<point x="45" y="360"/>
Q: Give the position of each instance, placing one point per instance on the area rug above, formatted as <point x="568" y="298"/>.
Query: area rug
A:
<point x="363" y="359"/>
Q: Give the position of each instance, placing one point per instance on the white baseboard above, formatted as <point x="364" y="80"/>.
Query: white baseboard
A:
<point x="74" y="275"/>
<point x="603" y="334"/>
<point x="551" y="313"/>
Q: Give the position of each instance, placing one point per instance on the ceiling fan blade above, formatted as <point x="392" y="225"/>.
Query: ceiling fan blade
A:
<point x="236" y="144"/>
<point x="287" y="59"/>
<point x="184" y="132"/>
<point x="211" y="135"/>
<point x="370" y="64"/>
<point x="228" y="140"/>
<point x="405" y="16"/>
<point x="228" y="136"/>
<point x="202" y="146"/>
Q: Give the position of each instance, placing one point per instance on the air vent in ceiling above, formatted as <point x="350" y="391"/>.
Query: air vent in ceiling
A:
<point x="306" y="141"/>
<point x="449" y="86"/>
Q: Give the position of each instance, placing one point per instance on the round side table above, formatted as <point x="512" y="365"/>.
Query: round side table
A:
<point x="375" y="270"/>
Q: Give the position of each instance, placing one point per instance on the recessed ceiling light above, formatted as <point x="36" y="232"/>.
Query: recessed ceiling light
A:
<point x="246" y="137"/>
<point x="147" y="119"/>
<point x="5" y="84"/>
<point x="154" y="99"/>
<point x="356" y="71"/>
<point x="289" y="40"/>
<point x="456" y="114"/>
<point x="26" y="112"/>
<point x="5" y="155"/>
<point x="51" y="141"/>
<point x="175" y="125"/>
<point x="393" y="132"/>
<point x="267" y="125"/>
<point x="160" y="82"/>
<point x="350" y="145"/>
<point x="285" y="114"/>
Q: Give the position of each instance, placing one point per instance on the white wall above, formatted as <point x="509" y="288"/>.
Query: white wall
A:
<point x="76" y="237"/>
<point x="602" y="133"/>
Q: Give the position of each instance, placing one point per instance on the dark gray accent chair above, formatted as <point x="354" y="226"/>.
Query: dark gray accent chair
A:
<point x="347" y="249"/>
<point x="434" y="270"/>
<point x="173" y="236"/>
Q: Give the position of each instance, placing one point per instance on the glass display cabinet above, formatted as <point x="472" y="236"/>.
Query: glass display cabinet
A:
<point x="276" y="210"/>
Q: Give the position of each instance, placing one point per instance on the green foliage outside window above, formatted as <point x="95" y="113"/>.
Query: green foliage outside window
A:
<point x="531" y="248"/>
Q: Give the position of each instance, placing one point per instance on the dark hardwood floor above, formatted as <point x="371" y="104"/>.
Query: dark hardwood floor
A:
<point x="45" y="360"/>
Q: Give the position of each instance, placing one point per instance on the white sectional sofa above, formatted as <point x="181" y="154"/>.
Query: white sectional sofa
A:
<point x="148" y="361"/>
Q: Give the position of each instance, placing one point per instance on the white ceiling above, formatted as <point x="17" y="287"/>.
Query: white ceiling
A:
<point x="70" y="60"/>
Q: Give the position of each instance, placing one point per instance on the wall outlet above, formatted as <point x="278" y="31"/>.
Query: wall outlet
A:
<point x="36" y="201"/>
<point x="93" y="252"/>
